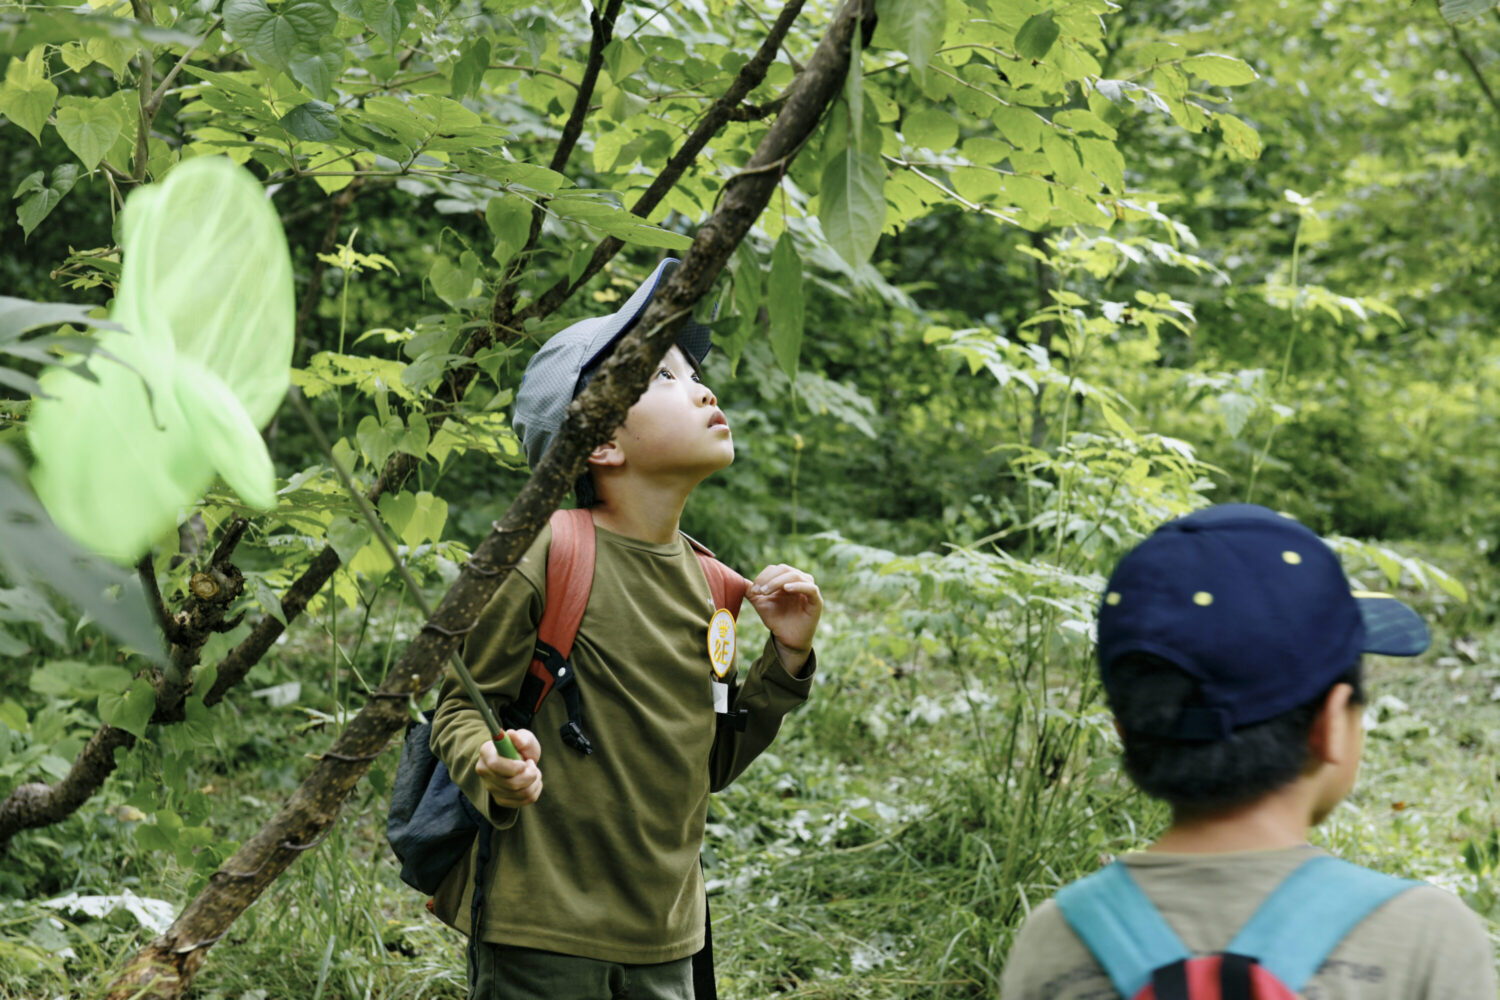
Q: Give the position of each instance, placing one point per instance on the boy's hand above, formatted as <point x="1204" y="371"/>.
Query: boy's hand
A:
<point x="789" y="602"/>
<point x="512" y="783"/>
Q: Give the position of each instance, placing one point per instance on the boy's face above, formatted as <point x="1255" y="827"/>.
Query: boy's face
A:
<point x="675" y="428"/>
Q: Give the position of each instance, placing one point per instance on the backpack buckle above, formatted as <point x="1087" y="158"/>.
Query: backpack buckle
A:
<point x="572" y="735"/>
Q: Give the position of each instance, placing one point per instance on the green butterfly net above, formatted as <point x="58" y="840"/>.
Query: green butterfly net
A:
<point x="205" y="300"/>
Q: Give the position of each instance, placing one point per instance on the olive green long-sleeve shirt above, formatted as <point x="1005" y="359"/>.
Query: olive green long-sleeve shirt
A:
<point x="605" y="864"/>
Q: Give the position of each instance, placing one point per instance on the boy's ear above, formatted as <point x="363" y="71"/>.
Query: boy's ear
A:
<point x="1333" y="729"/>
<point x="607" y="454"/>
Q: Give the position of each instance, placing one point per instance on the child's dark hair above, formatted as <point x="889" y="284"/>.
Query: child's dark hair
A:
<point x="585" y="492"/>
<point x="1192" y="777"/>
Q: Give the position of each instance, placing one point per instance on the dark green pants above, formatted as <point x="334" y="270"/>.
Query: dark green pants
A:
<point x="527" y="974"/>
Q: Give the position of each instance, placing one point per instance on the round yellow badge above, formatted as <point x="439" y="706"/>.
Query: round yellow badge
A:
<point x="721" y="642"/>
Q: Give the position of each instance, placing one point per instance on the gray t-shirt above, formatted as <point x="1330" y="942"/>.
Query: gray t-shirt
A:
<point x="1424" y="943"/>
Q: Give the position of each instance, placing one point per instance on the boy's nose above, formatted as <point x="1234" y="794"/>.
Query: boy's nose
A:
<point x="707" y="397"/>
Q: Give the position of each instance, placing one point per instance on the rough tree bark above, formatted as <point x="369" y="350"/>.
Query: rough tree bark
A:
<point x="37" y="804"/>
<point x="165" y="968"/>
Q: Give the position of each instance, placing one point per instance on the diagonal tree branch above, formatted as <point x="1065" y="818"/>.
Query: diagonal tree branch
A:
<point x="37" y="804"/>
<point x="165" y="968"/>
<point x="502" y="312"/>
<point x="213" y="588"/>
<point x="723" y="110"/>
<point x="1468" y="58"/>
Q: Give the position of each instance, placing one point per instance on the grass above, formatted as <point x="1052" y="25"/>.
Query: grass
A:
<point x="887" y="846"/>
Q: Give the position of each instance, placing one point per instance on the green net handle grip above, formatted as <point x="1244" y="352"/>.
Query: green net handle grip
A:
<point x="505" y="747"/>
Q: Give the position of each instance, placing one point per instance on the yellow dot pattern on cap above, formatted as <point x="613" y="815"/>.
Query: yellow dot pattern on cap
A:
<point x="1112" y="598"/>
<point x="1291" y="558"/>
<point x="1203" y="598"/>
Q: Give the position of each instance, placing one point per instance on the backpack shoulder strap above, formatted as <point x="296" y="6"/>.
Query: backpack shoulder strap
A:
<point x="1127" y="935"/>
<point x="726" y="586"/>
<point x="570" y="577"/>
<point x="1309" y="913"/>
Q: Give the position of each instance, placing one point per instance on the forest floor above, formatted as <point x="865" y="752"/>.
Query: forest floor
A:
<point x="864" y="856"/>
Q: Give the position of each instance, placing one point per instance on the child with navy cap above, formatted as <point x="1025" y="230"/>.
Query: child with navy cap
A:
<point x="1230" y="645"/>
<point x="593" y="890"/>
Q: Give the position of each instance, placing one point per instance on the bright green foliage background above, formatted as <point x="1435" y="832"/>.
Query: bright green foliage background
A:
<point x="1045" y="276"/>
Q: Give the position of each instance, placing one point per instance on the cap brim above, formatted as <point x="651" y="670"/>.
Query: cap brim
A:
<point x="1391" y="628"/>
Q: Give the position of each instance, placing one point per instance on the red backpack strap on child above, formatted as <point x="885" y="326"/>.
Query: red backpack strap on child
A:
<point x="725" y="585"/>
<point x="570" y="577"/>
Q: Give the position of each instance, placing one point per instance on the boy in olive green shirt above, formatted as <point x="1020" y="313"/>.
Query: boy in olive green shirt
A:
<point x="1229" y="648"/>
<point x="594" y="888"/>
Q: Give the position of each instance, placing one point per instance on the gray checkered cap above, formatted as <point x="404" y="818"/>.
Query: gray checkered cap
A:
<point x="551" y="378"/>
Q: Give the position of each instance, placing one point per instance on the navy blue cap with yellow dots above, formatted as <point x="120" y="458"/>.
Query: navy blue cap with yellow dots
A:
<point x="1255" y="606"/>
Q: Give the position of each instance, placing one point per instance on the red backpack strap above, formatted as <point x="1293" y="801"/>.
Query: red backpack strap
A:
<point x="725" y="585"/>
<point x="570" y="577"/>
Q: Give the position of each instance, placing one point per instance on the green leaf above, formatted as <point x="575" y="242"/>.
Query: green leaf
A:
<point x="1220" y="70"/>
<point x="314" y="121"/>
<point x="89" y="125"/>
<point x="1238" y="136"/>
<point x="468" y="69"/>
<point x="268" y="599"/>
<point x="38" y="200"/>
<point x="1037" y="35"/>
<point x="26" y="99"/>
<point x="377" y="441"/>
<point x="273" y="36"/>
<point x="316" y="66"/>
<point x="130" y="709"/>
<point x="453" y="283"/>
<point x="851" y="200"/>
<point x="348" y="536"/>
<point x="18" y="316"/>
<point x="784" y="302"/>
<point x="509" y="219"/>
<point x="916" y="28"/>
<point x="930" y="129"/>
<point x="1464" y="10"/>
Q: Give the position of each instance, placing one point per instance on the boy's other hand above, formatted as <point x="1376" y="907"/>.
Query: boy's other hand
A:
<point x="789" y="602"/>
<point x="512" y="783"/>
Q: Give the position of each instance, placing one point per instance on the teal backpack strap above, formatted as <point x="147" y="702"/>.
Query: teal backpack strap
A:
<point x="1126" y="934"/>
<point x="1294" y="931"/>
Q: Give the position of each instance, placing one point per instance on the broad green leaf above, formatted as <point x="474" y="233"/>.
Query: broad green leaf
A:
<point x="27" y="100"/>
<point x="916" y="28"/>
<point x="377" y="439"/>
<point x="314" y="121"/>
<point x="210" y="337"/>
<point x="1220" y="70"/>
<point x="18" y="316"/>
<point x="468" y="69"/>
<point x="1037" y="35"/>
<point x="268" y="599"/>
<point x="509" y="219"/>
<point x="89" y="125"/>
<point x="316" y="66"/>
<point x="930" y="129"/>
<point x="784" y="302"/>
<point x="348" y="536"/>
<point x="130" y="709"/>
<point x="454" y="283"/>
<point x="851" y="199"/>
<point x="1021" y="126"/>
<point x="38" y="200"/>
<point x="1238" y="136"/>
<point x="272" y="36"/>
<point x="1465" y="10"/>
